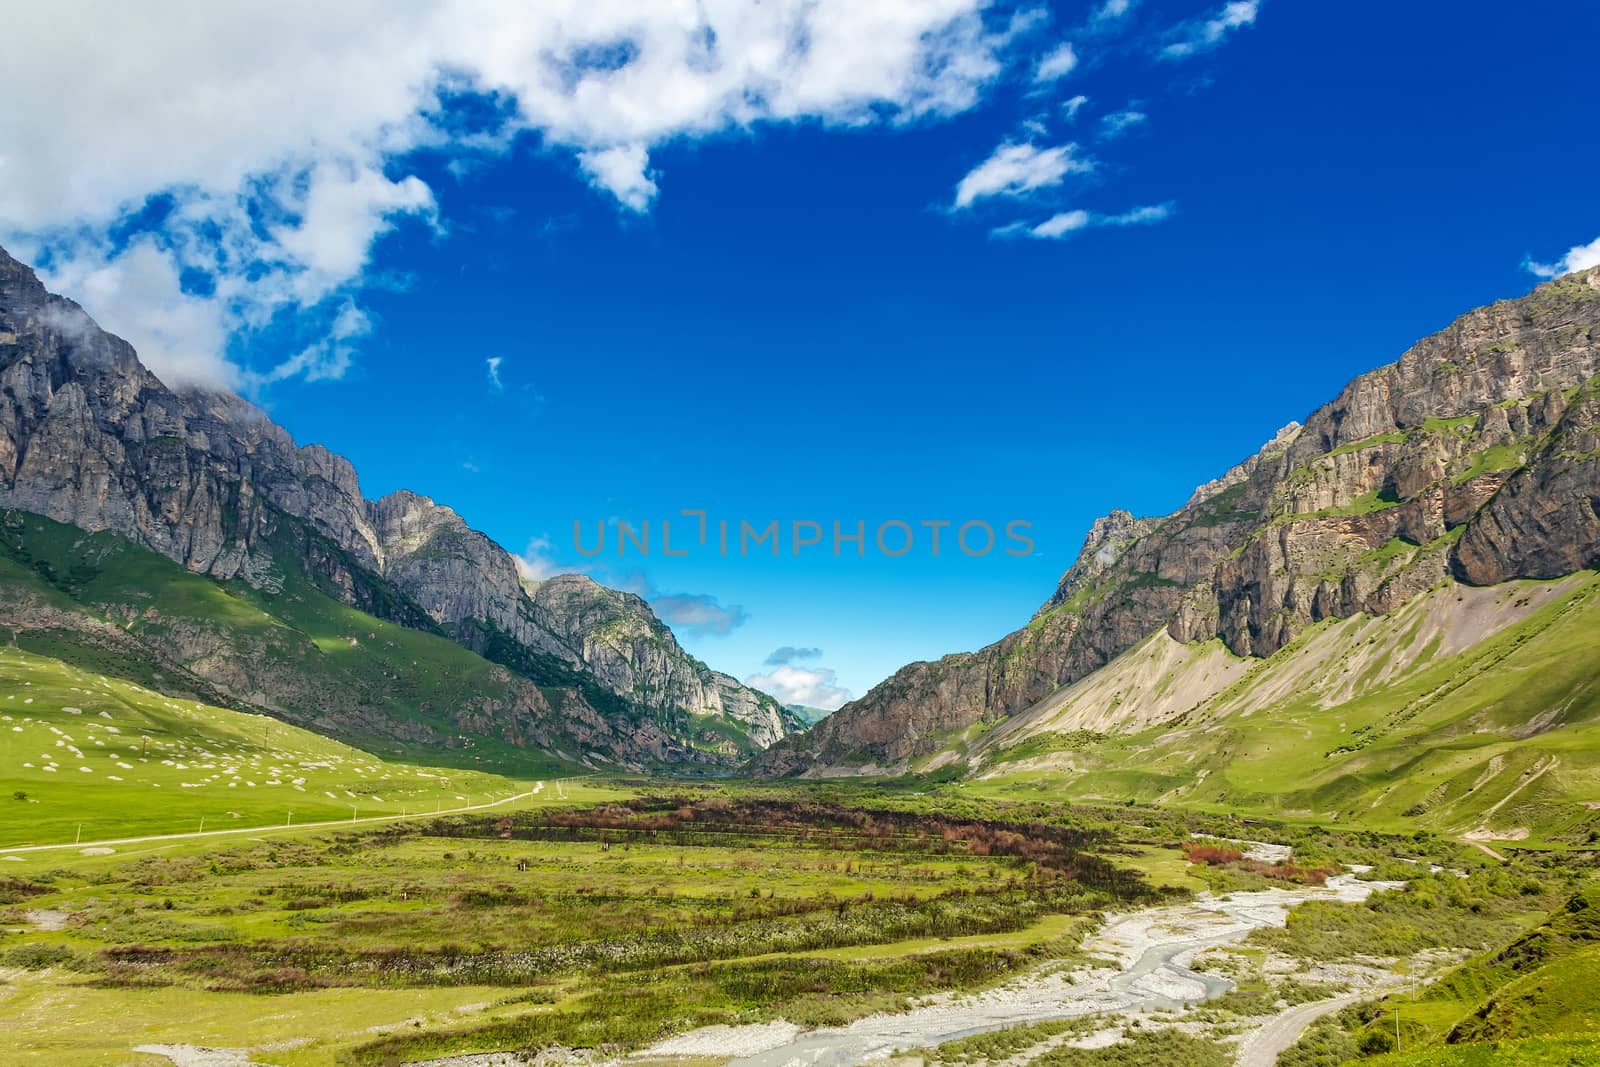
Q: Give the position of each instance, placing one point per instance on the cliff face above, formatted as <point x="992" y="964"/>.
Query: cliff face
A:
<point x="88" y="436"/>
<point x="1476" y="455"/>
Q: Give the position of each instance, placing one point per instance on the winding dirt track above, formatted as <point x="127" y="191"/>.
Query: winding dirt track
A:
<point x="1261" y="1048"/>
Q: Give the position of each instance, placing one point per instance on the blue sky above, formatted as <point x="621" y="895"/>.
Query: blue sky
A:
<point x="968" y="298"/>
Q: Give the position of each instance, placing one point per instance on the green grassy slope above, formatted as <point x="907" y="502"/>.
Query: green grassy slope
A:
<point x="1502" y="736"/>
<point x="1538" y="1052"/>
<point x="1532" y="1000"/>
<point x="82" y="750"/>
<point x="1544" y="982"/>
<point x="288" y="647"/>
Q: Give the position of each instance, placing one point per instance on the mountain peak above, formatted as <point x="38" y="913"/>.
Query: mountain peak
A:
<point x="20" y="287"/>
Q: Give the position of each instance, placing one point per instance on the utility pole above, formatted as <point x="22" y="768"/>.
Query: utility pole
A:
<point x="79" y="836"/>
<point x="202" y="824"/>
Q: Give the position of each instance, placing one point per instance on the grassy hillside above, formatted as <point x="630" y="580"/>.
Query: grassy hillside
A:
<point x="1468" y="711"/>
<point x="102" y="604"/>
<point x="1544" y="982"/>
<point x="1538" y="1052"/>
<point x="1530" y="1000"/>
<point x="82" y="750"/>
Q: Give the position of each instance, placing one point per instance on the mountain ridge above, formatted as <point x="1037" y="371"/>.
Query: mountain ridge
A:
<point x="1474" y="457"/>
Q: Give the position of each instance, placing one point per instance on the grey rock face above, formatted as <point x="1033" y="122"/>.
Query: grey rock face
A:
<point x="1543" y="521"/>
<point x="1476" y="455"/>
<point x="89" y="436"/>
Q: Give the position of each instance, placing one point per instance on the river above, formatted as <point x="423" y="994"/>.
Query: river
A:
<point x="1145" y="954"/>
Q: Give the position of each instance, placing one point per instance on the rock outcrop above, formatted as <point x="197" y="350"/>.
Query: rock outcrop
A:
<point x="1476" y="455"/>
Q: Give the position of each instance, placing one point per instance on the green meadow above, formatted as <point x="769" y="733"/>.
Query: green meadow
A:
<point x="588" y="926"/>
<point x="86" y="756"/>
<point x="615" y="913"/>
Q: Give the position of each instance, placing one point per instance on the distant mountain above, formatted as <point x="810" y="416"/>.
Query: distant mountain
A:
<point x="1473" y="460"/>
<point x="807" y="715"/>
<point x="90" y="438"/>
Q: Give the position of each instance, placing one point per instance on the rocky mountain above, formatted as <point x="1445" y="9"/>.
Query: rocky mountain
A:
<point x="89" y="437"/>
<point x="472" y="587"/>
<point x="1475" y="458"/>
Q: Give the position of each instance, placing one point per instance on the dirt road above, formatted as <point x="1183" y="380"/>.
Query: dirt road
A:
<point x="1261" y="1048"/>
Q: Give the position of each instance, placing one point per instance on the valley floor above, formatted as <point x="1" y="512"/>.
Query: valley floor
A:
<point x="1139" y="964"/>
<point x="761" y="925"/>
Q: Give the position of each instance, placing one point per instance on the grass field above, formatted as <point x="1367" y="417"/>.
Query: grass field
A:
<point x="83" y="754"/>
<point x="600" y="926"/>
<point x="608" y="924"/>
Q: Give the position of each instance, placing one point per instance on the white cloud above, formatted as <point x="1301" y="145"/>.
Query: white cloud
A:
<point x="279" y="132"/>
<point x="789" y="653"/>
<point x="1203" y="34"/>
<point x="1140" y="216"/>
<point x="538" y="561"/>
<point x="812" y="687"/>
<point x="1578" y="257"/>
<point x="698" y="613"/>
<point x="1118" y="123"/>
<point x="344" y="206"/>
<point x="1061" y="224"/>
<point x="1056" y="64"/>
<point x="198" y="270"/>
<point x="1066" y="223"/>
<point x="326" y="359"/>
<point x="1110" y="12"/>
<point x="1018" y="169"/>
<point x="621" y="171"/>
<point x="493" y="366"/>
<point x="140" y="292"/>
<point x="1070" y="108"/>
